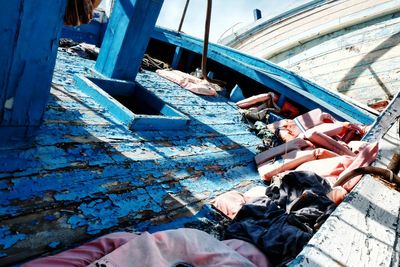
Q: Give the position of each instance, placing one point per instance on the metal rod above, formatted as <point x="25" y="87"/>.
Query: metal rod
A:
<point x="183" y="15"/>
<point x="206" y="36"/>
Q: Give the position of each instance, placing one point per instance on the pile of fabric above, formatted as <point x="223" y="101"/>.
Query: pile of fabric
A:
<point x="281" y="218"/>
<point x="317" y="150"/>
<point x="316" y="142"/>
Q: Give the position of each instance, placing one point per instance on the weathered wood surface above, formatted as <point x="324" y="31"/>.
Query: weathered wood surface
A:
<point x="24" y="61"/>
<point x="86" y="174"/>
<point x="347" y="46"/>
<point x="361" y="61"/>
<point x="287" y="33"/>
<point x="365" y="229"/>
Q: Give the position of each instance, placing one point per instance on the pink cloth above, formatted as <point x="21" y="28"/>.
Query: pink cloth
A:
<point x="322" y="140"/>
<point x="160" y="249"/>
<point x="288" y="129"/>
<point x="85" y="254"/>
<point x="253" y="100"/>
<point x="189" y="82"/>
<point x="328" y="168"/>
<point x="333" y="168"/>
<point x="229" y="203"/>
<point x="330" y="129"/>
<point x="249" y="251"/>
<point x="191" y="246"/>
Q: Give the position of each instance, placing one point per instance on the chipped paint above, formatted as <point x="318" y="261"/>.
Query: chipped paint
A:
<point x="86" y="174"/>
<point x="9" y="238"/>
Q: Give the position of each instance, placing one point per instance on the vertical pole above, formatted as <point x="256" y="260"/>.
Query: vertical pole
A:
<point x="126" y="38"/>
<point x="29" y="35"/>
<point x="257" y="14"/>
<point x="183" y="15"/>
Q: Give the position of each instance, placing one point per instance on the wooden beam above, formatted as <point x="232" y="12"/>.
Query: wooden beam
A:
<point x="177" y="57"/>
<point x="126" y="38"/>
<point x="29" y="34"/>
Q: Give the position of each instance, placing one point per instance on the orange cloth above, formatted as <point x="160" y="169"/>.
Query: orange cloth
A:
<point x="328" y="167"/>
<point x="292" y="160"/>
<point x="295" y="144"/>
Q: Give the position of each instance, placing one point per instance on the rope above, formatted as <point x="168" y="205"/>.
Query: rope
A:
<point x="386" y="174"/>
<point x="153" y="64"/>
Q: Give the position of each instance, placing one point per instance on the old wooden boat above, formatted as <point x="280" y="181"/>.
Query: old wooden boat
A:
<point x="114" y="149"/>
<point x="348" y="46"/>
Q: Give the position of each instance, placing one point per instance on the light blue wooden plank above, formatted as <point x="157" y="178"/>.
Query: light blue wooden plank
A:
<point x="126" y="38"/>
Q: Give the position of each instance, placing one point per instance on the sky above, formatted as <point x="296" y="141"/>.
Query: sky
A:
<point x="227" y="15"/>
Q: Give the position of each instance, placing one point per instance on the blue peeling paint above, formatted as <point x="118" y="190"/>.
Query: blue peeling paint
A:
<point x="126" y="38"/>
<point x="54" y="244"/>
<point x="50" y="218"/>
<point x="204" y="214"/>
<point x="8" y="238"/>
<point x="77" y="221"/>
<point x="22" y="67"/>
